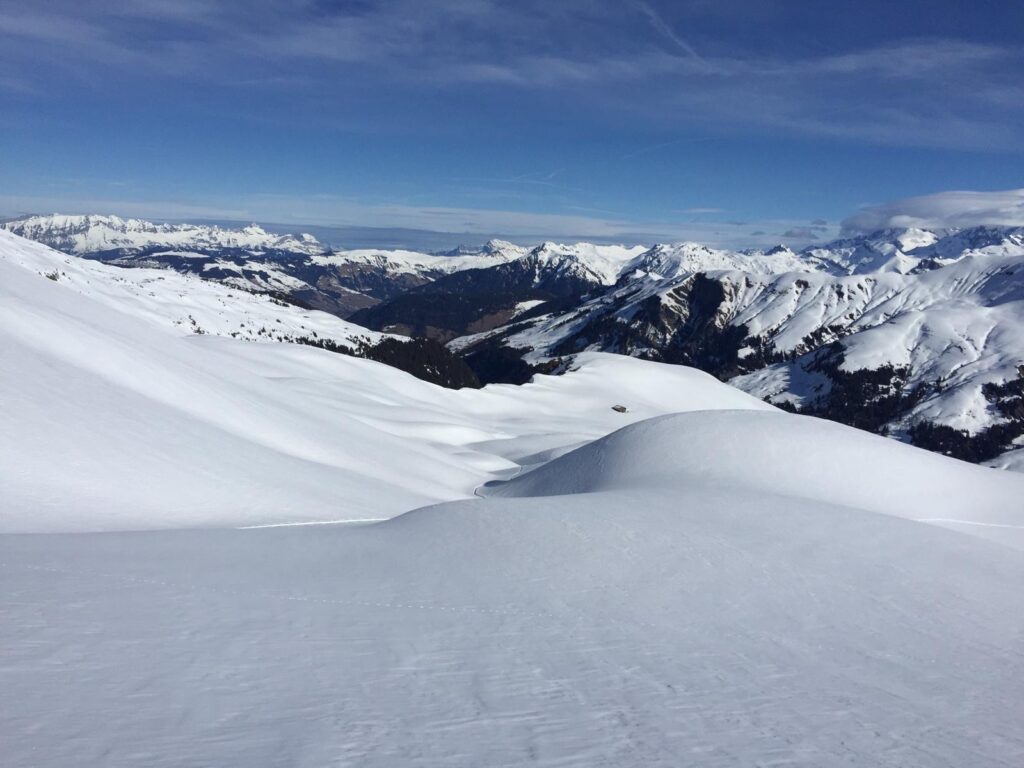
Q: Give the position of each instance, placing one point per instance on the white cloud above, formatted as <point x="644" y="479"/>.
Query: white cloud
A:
<point x="943" y="210"/>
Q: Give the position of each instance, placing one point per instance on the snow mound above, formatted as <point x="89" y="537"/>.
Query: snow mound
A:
<point x="778" y="454"/>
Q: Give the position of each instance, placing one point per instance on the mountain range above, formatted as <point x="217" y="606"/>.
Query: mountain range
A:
<point x="913" y="333"/>
<point x="294" y="266"/>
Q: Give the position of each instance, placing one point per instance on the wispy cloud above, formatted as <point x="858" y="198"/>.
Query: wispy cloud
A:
<point x="616" y="57"/>
<point x="662" y="28"/>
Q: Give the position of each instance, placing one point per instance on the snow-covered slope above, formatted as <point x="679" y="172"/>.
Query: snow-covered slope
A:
<point x="478" y="299"/>
<point x="179" y="302"/>
<point x="945" y="336"/>
<point x="599" y="264"/>
<point x="671" y="261"/>
<point x="186" y="428"/>
<point x="699" y="624"/>
<point x="728" y="585"/>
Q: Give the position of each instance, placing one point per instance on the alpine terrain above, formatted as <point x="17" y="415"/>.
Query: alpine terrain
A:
<point x="272" y="553"/>
<point x="480" y="384"/>
<point x="904" y="332"/>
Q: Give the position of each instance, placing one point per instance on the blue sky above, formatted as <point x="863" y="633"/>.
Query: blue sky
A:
<point x="725" y="121"/>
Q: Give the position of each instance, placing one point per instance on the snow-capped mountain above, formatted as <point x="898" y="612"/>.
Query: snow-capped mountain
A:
<point x="502" y="249"/>
<point x="180" y="301"/>
<point x="296" y="267"/>
<point x="672" y="260"/>
<point x="912" y="333"/>
<point x="909" y="250"/>
<point x="583" y="262"/>
<point x="473" y="300"/>
<point x="423" y="265"/>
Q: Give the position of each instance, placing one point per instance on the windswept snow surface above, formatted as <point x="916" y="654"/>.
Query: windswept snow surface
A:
<point x="643" y="616"/>
<point x="726" y="586"/>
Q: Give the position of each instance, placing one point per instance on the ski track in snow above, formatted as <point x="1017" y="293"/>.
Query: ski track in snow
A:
<point x="969" y="522"/>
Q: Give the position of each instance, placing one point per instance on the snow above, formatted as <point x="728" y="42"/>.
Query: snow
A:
<point x="95" y="234"/>
<point x="603" y="263"/>
<point x="261" y="275"/>
<point x="191" y="429"/>
<point x="771" y="453"/>
<point x="525" y="306"/>
<point x="961" y="326"/>
<point x="687" y="258"/>
<point x="700" y="580"/>
<point x="180" y="302"/>
<point x="416" y="263"/>
<point x="1012" y="460"/>
<point x="955" y="328"/>
<point x="647" y="619"/>
<point x="784" y="383"/>
<point x="92" y="233"/>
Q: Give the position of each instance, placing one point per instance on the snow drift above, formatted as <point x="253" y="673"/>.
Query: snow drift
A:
<point x="776" y="454"/>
